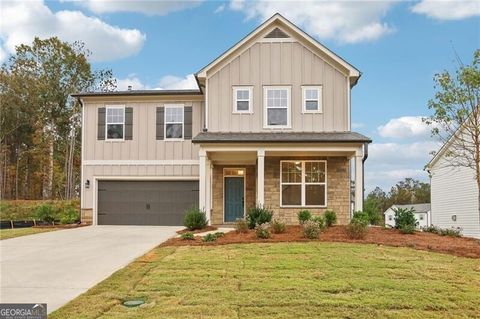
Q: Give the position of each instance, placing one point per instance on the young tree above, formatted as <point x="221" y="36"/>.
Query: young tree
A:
<point x="456" y="116"/>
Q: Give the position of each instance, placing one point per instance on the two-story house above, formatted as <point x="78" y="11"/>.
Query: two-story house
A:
<point x="269" y="125"/>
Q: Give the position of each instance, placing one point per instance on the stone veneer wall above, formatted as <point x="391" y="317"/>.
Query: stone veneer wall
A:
<point x="338" y="189"/>
<point x="86" y="216"/>
<point x="217" y="190"/>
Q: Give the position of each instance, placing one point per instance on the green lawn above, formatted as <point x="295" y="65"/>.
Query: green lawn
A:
<point x="287" y="280"/>
<point x="17" y="232"/>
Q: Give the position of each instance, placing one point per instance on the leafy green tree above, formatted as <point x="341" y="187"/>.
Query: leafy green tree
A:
<point x="456" y="116"/>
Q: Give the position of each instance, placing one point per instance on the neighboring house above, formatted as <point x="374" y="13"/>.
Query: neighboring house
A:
<point x="270" y="125"/>
<point x="454" y="194"/>
<point x="422" y="214"/>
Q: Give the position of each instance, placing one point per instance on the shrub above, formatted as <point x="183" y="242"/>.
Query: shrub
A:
<point x="452" y="232"/>
<point x="209" y="237"/>
<point x="374" y="218"/>
<point x="407" y="229"/>
<point x="431" y="229"/>
<point x="304" y="216"/>
<point x="46" y="213"/>
<point x="357" y="229"/>
<point x="241" y="225"/>
<point x="219" y="234"/>
<point x="263" y="231"/>
<point x="311" y="229"/>
<point x="258" y="215"/>
<point x="405" y="219"/>
<point x="69" y="216"/>
<point x="187" y="236"/>
<point x="330" y="218"/>
<point x="361" y="217"/>
<point x="320" y="221"/>
<point x="278" y="227"/>
<point x="27" y="209"/>
<point x="195" y="218"/>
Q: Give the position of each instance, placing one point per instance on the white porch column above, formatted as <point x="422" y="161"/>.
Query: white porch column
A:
<point x="202" y="170"/>
<point x="358" y="182"/>
<point x="208" y="188"/>
<point x="261" y="177"/>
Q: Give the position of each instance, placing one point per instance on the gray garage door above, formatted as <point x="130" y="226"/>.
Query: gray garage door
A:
<point x="145" y="202"/>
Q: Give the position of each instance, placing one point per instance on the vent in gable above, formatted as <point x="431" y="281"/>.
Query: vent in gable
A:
<point x="277" y="34"/>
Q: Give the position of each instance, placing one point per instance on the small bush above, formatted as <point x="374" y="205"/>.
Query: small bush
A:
<point x="431" y="229"/>
<point x="407" y="229"/>
<point x="405" y="218"/>
<point x="304" y="216"/>
<point x="452" y="232"/>
<point x="69" y="216"/>
<point x="330" y="218"/>
<point x="258" y="215"/>
<point x="374" y="217"/>
<point x="46" y="213"/>
<point x="195" y="218"/>
<point x="263" y="231"/>
<point x="361" y="217"/>
<point x="187" y="236"/>
<point x="219" y="234"/>
<point x="278" y="227"/>
<point x="320" y="221"/>
<point x="241" y="225"/>
<point x="357" y="229"/>
<point x="209" y="237"/>
<point x="311" y="229"/>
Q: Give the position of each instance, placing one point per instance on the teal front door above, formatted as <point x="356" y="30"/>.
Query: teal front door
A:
<point x="234" y="198"/>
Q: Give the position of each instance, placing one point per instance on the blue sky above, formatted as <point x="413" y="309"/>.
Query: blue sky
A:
<point x="397" y="45"/>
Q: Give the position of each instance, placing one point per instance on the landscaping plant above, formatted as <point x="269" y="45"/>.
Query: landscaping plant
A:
<point x="407" y="229"/>
<point x="209" y="237"/>
<point x="258" y="215"/>
<point x="320" y="221"/>
<point x="452" y="232"/>
<point x="69" y="216"/>
<point x="358" y="227"/>
<point x="405" y="220"/>
<point x="311" y="229"/>
<point x="46" y="213"/>
<point x="278" y="227"/>
<point x="362" y="217"/>
<point x="263" y="231"/>
<point x="195" y="218"/>
<point x="330" y="218"/>
<point x="187" y="236"/>
<point x="304" y="216"/>
<point x="241" y="225"/>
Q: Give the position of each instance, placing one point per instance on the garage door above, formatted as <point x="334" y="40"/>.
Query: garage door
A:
<point x="145" y="202"/>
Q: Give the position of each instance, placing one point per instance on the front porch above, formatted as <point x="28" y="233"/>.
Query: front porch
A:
<point x="284" y="178"/>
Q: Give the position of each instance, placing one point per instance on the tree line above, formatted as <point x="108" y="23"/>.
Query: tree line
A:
<point x="40" y="123"/>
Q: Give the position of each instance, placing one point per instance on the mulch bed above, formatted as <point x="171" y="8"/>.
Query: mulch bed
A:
<point x="63" y="226"/>
<point x="208" y="228"/>
<point x="464" y="247"/>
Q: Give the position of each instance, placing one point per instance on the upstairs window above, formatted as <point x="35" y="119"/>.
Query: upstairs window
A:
<point x="115" y="123"/>
<point x="242" y="99"/>
<point x="277" y="106"/>
<point x="173" y="122"/>
<point x="312" y="99"/>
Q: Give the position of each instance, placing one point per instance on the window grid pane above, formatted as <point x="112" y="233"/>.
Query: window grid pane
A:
<point x="115" y="115"/>
<point x="308" y="189"/>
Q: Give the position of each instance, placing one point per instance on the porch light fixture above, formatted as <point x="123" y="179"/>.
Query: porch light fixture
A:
<point x="87" y="184"/>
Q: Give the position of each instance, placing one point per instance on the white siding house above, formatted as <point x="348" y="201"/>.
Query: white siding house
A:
<point x="422" y="214"/>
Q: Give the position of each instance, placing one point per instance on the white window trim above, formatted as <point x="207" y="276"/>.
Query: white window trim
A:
<point x="319" y="89"/>
<point x="173" y="106"/>
<point x="250" y="99"/>
<point x="303" y="184"/>
<point x="107" y="107"/>
<point x="289" y="111"/>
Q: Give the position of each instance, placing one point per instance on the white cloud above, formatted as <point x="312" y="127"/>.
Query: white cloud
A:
<point x="147" y="7"/>
<point x="130" y="80"/>
<point x="448" y="9"/>
<point x="220" y="8"/>
<point x="171" y="82"/>
<point x="21" y="21"/>
<point x="345" y="21"/>
<point x="405" y="127"/>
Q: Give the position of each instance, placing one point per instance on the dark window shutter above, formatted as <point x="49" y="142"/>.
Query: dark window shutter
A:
<point x="160" y="123"/>
<point x="101" y="123"/>
<point x="128" y="123"/>
<point x="187" y="122"/>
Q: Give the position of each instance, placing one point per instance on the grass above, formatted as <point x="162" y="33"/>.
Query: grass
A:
<point x="287" y="280"/>
<point x="18" y="232"/>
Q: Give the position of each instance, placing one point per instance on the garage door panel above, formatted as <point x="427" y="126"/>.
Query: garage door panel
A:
<point x="145" y="202"/>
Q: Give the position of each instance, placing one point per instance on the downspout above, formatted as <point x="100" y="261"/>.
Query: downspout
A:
<point x="365" y="156"/>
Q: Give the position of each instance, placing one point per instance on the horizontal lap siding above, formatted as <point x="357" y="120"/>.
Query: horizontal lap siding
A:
<point x="282" y="63"/>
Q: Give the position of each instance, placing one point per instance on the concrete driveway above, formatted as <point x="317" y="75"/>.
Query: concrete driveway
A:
<point x="55" y="267"/>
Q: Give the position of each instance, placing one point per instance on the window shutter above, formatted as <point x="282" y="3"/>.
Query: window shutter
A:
<point x="160" y="123"/>
<point x="101" y="123"/>
<point x="187" y="122"/>
<point x="128" y="123"/>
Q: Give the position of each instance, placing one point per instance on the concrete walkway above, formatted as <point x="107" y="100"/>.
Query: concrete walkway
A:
<point x="56" y="267"/>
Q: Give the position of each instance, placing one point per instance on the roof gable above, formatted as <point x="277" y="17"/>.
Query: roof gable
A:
<point x="278" y="27"/>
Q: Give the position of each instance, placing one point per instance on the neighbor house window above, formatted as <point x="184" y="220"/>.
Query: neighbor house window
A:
<point x="173" y="121"/>
<point x="390" y="217"/>
<point x="115" y="123"/>
<point x="312" y="99"/>
<point x="303" y="183"/>
<point x="242" y="99"/>
<point x="277" y="106"/>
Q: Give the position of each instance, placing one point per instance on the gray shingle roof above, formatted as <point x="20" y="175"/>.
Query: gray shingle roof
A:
<point x="281" y="137"/>
<point x="419" y="208"/>
<point x="139" y="92"/>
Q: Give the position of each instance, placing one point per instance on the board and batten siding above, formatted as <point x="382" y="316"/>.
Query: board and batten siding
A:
<point x="278" y="63"/>
<point x="454" y="192"/>
<point x="134" y="159"/>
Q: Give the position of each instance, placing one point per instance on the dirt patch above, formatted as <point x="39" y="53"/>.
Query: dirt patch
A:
<point x="464" y="247"/>
<point x="208" y="228"/>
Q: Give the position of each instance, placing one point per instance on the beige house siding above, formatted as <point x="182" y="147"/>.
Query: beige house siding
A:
<point x="278" y="63"/>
